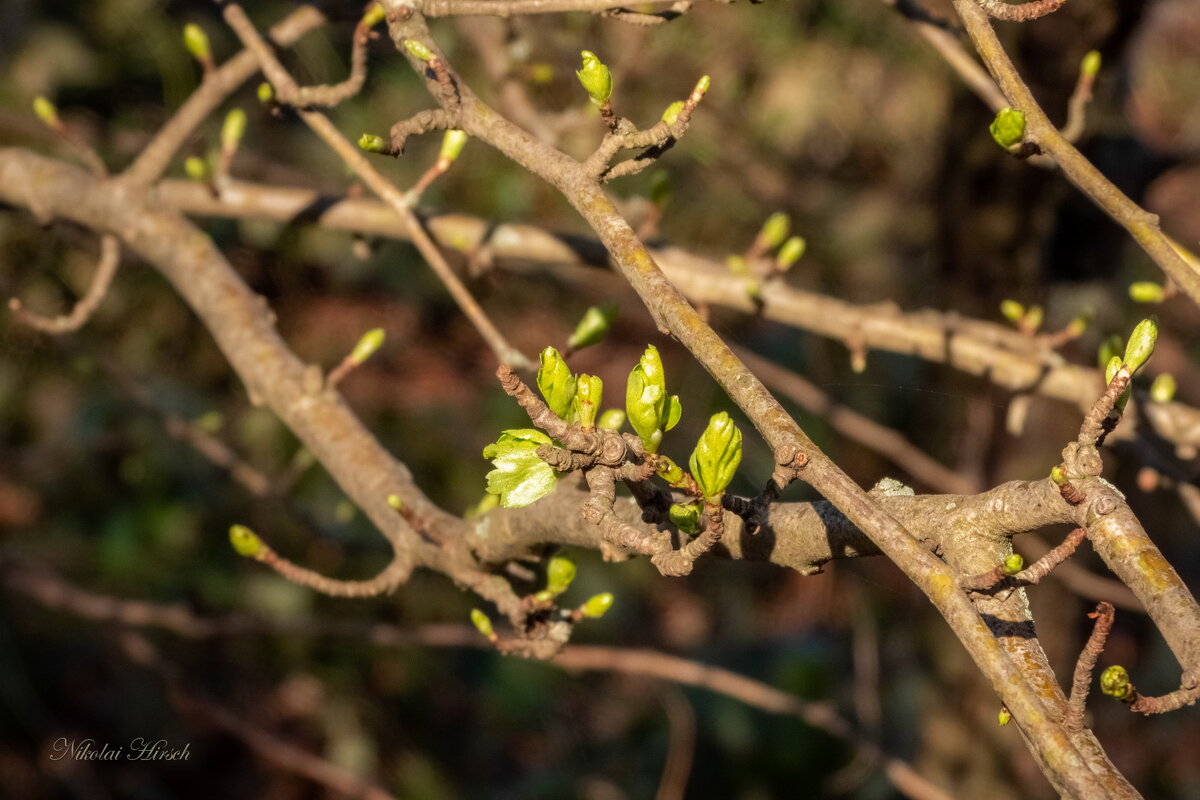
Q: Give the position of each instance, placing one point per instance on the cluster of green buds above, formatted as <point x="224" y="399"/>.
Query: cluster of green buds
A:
<point x="560" y="572"/>
<point x="595" y="78"/>
<point x="651" y="411"/>
<point x="1013" y="564"/>
<point x="593" y="326"/>
<point x="1027" y="320"/>
<point x="1114" y="682"/>
<point x="716" y="457"/>
<point x="1008" y="128"/>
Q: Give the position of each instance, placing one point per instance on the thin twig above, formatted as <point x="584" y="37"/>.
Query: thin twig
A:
<point x="353" y="158"/>
<point x="1086" y="665"/>
<point x="102" y="278"/>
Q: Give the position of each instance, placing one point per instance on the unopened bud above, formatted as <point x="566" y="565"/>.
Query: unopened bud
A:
<point x="559" y="574"/>
<point x="717" y="456"/>
<point x="196" y="42"/>
<point x="372" y="143"/>
<point x="265" y="92"/>
<point x="593" y="326"/>
<point x="1090" y="65"/>
<point x="774" y="230"/>
<point x="686" y="517"/>
<point x="483" y="624"/>
<point x="373" y="17"/>
<point x="1008" y="128"/>
<point x="611" y="420"/>
<point x="595" y="78"/>
<point x="1163" y="388"/>
<point x="452" y="145"/>
<point x="790" y="253"/>
<point x="233" y="129"/>
<point x="1013" y="564"/>
<point x="1147" y="292"/>
<point x="1004" y="717"/>
<point x="1114" y="681"/>
<point x="702" y="85"/>
<point x="246" y="541"/>
<point x="47" y="112"/>
<point x="1013" y="311"/>
<point x="671" y="115"/>
<point x="195" y="168"/>
<point x="1058" y="475"/>
<point x="418" y="50"/>
<point x="597" y="605"/>
<point x="1141" y="343"/>
<point x="371" y="341"/>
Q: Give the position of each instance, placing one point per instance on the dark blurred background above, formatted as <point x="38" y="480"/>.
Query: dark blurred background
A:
<point x="833" y="111"/>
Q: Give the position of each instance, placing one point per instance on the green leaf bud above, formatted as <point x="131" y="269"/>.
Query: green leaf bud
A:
<point x="196" y="42"/>
<point x="1112" y="346"/>
<point x="1013" y="564"/>
<point x="791" y="252"/>
<point x="1114" y="681"/>
<point x="1090" y="65"/>
<point x="1141" y="343"/>
<point x="593" y="326"/>
<point x="717" y="455"/>
<point x="1013" y="311"/>
<point x="671" y="115"/>
<point x="371" y="341"/>
<point x="452" y="145"/>
<point x="588" y="392"/>
<point x="246" y="542"/>
<point x="1163" y="388"/>
<point x="1004" y="717"/>
<point x="1110" y="370"/>
<point x="597" y="606"/>
<point x="47" y="112"/>
<point x="1008" y="128"/>
<point x="774" y="230"/>
<point x="611" y="420"/>
<point x="556" y="383"/>
<point x="702" y="85"/>
<point x="595" y="77"/>
<point x="265" y="92"/>
<point x="559" y="574"/>
<point x="395" y="502"/>
<point x="674" y="412"/>
<point x="686" y="517"/>
<point x="233" y="129"/>
<point x="486" y="504"/>
<point x="520" y="477"/>
<point x="195" y="168"/>
<point x="373" y="17"/>
<point x="418" y="50"/>
<point x="1147" y="292"/>
<point x="668" y="470"/>
<point x="1059" y="476"/>
<point x="483" y="624"/>
<point x="646" y="399"/>
<point x="372" y="143"/>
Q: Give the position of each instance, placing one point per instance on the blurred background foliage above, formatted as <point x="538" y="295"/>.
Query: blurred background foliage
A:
<point x="830" y="110"/>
